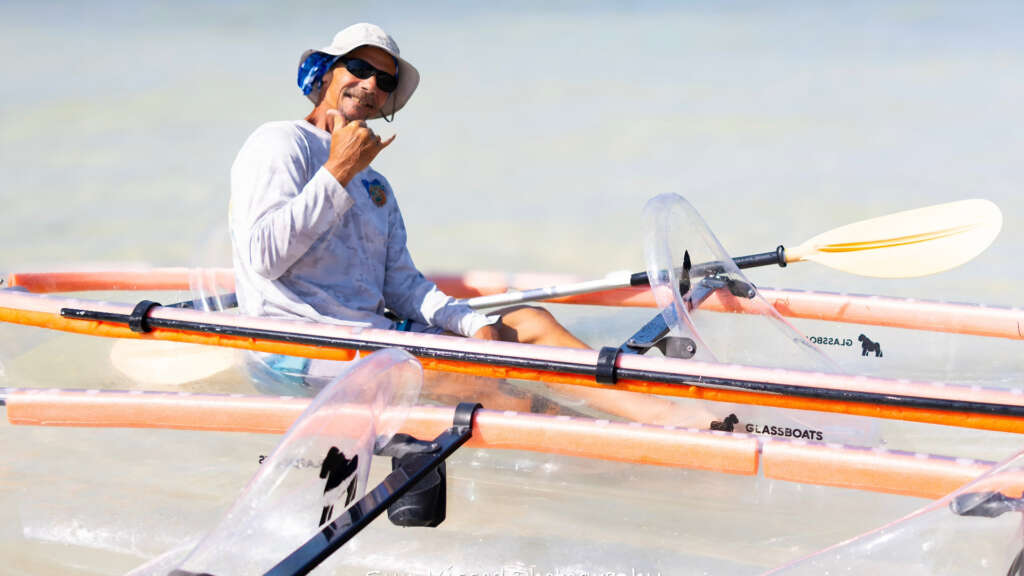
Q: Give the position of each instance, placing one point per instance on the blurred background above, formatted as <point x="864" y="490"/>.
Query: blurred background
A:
<point x="537" y="133"/>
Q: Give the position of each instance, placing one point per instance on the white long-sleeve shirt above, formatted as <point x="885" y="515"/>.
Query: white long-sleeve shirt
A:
<point x="305" y="246"/>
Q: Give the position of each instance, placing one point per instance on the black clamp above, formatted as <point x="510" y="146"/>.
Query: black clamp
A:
<point x="606" y="372"/>
<point x="989" y="504"/>
<point x="736" y="287"/>
<point x="464" y="413"/>
<point x="741" y="289"/>
<point x="138" y="320"/>
<point x="411" y="476"/>
<point x="425" y="504"/>
<point x="654" y="334"/>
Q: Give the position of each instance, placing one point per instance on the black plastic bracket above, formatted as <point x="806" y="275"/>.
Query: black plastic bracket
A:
<point x="462" y="422"/>
<point x="605" y="371"/>
<point x="402" y="445"/>
<point x="647" y="336"/>
<point x="399" y="482"/>
<point x="991" y="504"/>
<point x="737" y="288"/>
<point x="741" y="289"/>
<point x="985" y="504"/>
<point x="137" y="320"/>
<point x="425" y="504"/>
<point x="654" y="334"/>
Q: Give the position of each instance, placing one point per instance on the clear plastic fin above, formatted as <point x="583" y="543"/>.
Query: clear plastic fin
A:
<point x="211" y="288"/>
<point x="320" y="468"/>
<point x="975" y="530"/>
<point x="705" y="297"/>
<point x="757" y="335"/>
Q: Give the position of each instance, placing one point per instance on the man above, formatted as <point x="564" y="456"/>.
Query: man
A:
<point x="317" y="233"/>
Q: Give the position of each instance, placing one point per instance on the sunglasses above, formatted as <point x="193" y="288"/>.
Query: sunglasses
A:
<point x="362" y="69"/>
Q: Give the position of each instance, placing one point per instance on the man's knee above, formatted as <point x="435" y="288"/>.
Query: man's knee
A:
<point x="542" y="315"/>
<point x="531" y="316"/>
<point x="526" y="323"/>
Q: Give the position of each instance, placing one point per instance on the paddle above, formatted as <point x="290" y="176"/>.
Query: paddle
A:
<point x="902" y="245"/>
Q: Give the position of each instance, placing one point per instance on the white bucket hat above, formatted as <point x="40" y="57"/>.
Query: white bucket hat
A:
<point x="364" y="34"/>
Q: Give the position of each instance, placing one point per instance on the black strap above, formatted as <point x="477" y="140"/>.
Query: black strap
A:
<point x="605" y="371"/>
<point x="137" y="321"/>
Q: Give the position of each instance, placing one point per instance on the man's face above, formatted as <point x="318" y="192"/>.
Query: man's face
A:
<point x="356" y="98"/>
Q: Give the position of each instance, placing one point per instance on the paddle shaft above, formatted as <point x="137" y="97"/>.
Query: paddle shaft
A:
<point x="613" y="281"/>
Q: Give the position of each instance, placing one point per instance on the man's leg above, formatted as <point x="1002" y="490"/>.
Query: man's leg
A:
<point x="534" y="325"/>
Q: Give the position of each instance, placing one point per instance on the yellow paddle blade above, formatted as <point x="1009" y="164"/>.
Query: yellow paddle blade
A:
<point x="907" y="244"/>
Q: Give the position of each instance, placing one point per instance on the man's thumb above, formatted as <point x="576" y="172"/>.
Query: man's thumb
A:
<point x="334" y="119"/>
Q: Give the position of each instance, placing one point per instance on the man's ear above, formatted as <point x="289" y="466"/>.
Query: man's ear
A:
<point x="318" y="92"/>
<point x="325" y="82"/>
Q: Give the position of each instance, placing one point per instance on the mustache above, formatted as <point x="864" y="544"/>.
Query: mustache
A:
<point x="363" y="97"/>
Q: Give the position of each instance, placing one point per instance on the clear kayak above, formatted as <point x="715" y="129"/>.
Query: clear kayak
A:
<point x="526" y="493"/>
<point x="751" y="416"/>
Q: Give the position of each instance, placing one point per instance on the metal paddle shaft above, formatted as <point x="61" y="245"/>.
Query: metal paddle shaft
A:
<point x="615" y="280"/>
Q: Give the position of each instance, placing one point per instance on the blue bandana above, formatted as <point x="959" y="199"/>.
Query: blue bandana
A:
<point x="312" y="70"/>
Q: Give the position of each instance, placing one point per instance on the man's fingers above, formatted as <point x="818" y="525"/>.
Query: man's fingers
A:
<point x="387" y="142"/>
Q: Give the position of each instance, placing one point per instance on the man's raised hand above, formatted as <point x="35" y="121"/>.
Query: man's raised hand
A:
<point x="353" y="146"/>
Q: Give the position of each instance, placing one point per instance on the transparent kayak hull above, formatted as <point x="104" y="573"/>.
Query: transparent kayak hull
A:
<point x="70" y="508"/>
<point x="64" y="502"/>
<point x="87" y="513"/>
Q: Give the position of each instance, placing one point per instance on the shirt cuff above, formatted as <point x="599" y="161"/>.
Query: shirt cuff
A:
<point x="475" y="321"/>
